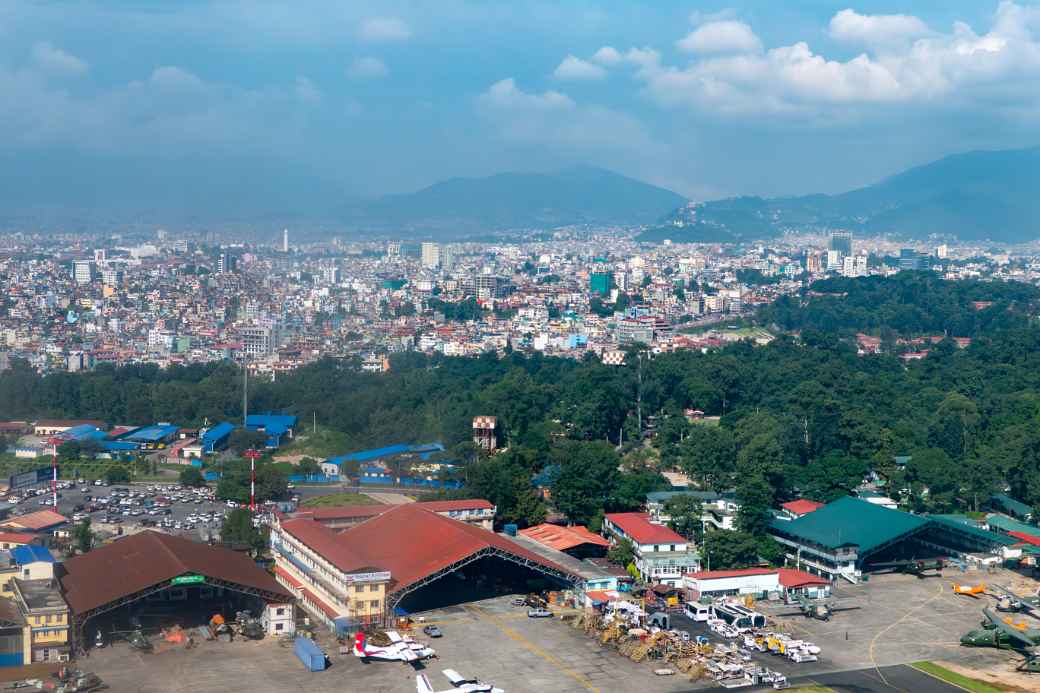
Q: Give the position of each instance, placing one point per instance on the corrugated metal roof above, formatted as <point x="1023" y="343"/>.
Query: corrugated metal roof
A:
<point x="638" y="528"/>
<point x="563" y="538"/>
<point x="31" y="553"/>
<point x="413" y="543"/>
<point x="850" y="521"/>
<point x="987" y="536"/>
<point x="1007" y="524"/>
<point x="149" y="558"/>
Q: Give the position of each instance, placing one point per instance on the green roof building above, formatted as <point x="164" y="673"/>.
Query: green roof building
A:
<point x="844" y="537"/>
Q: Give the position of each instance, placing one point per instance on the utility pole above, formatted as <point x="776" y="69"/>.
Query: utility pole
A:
<point x="245" y="392"/>
<point x="639" y="395"/>
<point x="55" y="442"/>
<point x="253" y="455"/>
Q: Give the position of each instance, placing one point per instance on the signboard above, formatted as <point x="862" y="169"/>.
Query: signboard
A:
<point x="188" y="580"/>
<point x="30" y="478"/>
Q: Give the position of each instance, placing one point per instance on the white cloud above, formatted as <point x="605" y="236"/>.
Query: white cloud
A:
<point x="504" y="94"/>
<point x="56" y="61"/>
<point x="876" y="30"/>
<point x="380" y="29"/>
<point x="726" y="36"/>
<point x="607" y="55"/>
<point x="574" y="68"/>
<point x="904" y="63"/>
<point x="367" y="68"/>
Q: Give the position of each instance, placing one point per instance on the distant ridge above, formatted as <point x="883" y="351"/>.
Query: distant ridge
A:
<point x="577" y="195"/>
<point x="980" y="195"/>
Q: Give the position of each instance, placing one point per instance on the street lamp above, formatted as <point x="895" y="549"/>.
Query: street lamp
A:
<point x="55" y="442"/>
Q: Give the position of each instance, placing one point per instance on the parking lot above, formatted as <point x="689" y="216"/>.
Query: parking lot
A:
<point x="900" y="619"/>
<point x="175" y="509"/>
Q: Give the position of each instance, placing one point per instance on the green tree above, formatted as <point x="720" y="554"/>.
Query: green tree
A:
<point x="684" y="513"/>
<point x="238" y="528"/>
<point x="587" y="478"/>
<point x="726" y="550"/>
<point x="308" y="466"/>
<point x="83" y="536"/>
<point x="191" y="476"/>
<point x="622" y="553"/>
<point x="117" y="474"/>
<point x="756" y="502"/>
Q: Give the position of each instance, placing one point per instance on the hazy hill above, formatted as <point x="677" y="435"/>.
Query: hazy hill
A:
<point x="974" y="196"/>
<point x="577" y="195"/>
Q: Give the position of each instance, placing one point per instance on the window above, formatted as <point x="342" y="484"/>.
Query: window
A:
<point x="374" y="604"/>
<point x="359" y="588"/>
<point x="280" y="611"/>
<point x="279" y="626"/>
<point x="373" y="588"/>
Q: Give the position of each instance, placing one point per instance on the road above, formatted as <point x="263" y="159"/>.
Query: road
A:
<point x="897" y="679"/>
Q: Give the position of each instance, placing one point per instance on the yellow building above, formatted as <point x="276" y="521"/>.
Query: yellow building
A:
<point x="332" y="586"/>
<point x="46" y="617"/>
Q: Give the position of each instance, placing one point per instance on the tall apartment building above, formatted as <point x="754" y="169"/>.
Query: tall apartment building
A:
<point x="259" y="340"/>
<point x="430" y="254"/>
<point x="842" y="242"/>
<point x="83" y="271"/>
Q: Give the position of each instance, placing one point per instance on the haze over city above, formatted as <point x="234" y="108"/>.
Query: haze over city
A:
<point x="119" y="107"/>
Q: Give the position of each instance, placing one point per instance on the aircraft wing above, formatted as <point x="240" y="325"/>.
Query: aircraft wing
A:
<point x="1012" y="634"/>
<point x="422" y="684"/>
<point x="394" y="636"/>
<point x="455" y="677"/>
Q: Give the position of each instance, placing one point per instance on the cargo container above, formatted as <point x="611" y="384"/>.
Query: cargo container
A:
<point x="309" y="653"/>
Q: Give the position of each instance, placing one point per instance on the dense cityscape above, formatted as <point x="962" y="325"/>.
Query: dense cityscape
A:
<point x="73" y="303"/>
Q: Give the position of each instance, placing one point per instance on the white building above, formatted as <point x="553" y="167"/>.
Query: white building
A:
<point x="83" y="271"/>
<point x="661" y="555"/>
<point x="431" y="255"/>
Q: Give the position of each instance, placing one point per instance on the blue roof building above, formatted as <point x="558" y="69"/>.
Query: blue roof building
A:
<point x="216" y="438"/>
<point x="31" y="553"/>
<point x="275" y="426"/>
<point x="152" y="436"/>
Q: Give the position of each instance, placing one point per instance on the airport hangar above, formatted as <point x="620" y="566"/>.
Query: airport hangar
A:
<point x="151" y="581"/>
<point x="403" y="560"/>
<point x="850" y="537"/>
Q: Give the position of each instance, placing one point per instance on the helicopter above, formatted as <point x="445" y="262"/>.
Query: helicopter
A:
<point x="1010" y="601"/>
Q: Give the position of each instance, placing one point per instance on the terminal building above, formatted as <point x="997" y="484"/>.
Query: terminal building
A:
<point x="662" y="556"/>
<point x="849" y="536"/>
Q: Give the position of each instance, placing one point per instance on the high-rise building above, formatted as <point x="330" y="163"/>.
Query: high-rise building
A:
<point x="909" y="259"/>
<point x="447" y="257"/>
<point x="842" y="242"/>
<point x="99" y="256"/>
<point x="226" y="263"/>
<point x="942" y="252"/>
<point x="285" y="240"/>
<point x="833" y="260"/>
<point x="258" y="340"/>
<point x="112" y="276"/>
<point x="431" y="255"/>
<point x="83" y="271"/>
<point x="393" y="249"/>
<point x="601" y="283"/>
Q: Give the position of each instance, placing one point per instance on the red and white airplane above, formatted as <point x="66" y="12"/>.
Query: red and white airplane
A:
<point x="399" y="650"/>
<point x="460" y="684"/>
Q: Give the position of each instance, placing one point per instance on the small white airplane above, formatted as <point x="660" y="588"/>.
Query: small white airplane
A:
<point x="399" y="650"/>
<point x="459" y="684"/>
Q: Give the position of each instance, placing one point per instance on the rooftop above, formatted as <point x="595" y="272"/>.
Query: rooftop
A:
<point x="850" y="521"/>
<point x="36" y="521"/>
<point x="40" y="595"/>
<point x="638" y="528"/>
<point x="563" y="538"/>
<point x="149" y="558"/>
<point x="801" y="506"/>
<point x="409" y="541"/>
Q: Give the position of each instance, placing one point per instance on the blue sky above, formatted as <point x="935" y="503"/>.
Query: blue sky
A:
<point x="228" y="106"/>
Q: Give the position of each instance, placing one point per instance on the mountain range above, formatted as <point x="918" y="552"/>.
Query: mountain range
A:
<point x="975" y="196"/>
<point x="577" y="195"/>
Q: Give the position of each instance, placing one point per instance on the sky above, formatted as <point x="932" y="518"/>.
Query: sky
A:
<point x="229" y="107"/>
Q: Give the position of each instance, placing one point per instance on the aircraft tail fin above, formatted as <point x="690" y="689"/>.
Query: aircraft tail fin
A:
<point x="359" y="644"/>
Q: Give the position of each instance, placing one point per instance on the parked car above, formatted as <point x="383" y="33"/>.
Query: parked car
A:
<point x="432" y="631"/>
<point x="539" y="613"/>
<point x="519" y="601"/>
